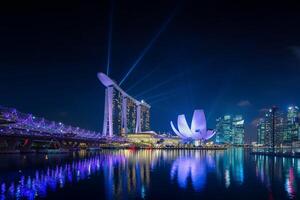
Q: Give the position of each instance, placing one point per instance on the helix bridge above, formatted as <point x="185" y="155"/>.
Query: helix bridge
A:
<point x="16" y="126"/>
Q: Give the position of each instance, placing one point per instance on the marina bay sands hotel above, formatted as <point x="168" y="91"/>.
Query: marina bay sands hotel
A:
<point x="122" y="113"/>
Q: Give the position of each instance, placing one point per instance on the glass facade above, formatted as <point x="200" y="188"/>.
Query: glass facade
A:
<point x="261" y="131"/>
<point x="291" y="132"/>
<point x="230" y="130"/>
<point x="238" y="130"/>
<point x="145" y="118"/>
<point x="117" y="112"/>
<point x="272" y="128"/>
<point x="131" y="115"/>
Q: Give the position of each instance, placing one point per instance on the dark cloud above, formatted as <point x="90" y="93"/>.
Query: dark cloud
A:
<point x="296" y="51"/>
<point x="263" y="110"/>
<point x="244" y="103"/>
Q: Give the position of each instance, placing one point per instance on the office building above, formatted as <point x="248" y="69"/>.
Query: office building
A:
<point x="230" y="130"/>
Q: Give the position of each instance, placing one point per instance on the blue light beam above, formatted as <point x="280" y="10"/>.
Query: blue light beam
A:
<point x="163" y="94"/>
<point x="142" y="79"/>
<point x="161" y="99"/>
<point x="110" y="24"/>
<point x="149" y="45"/>
<point x="159" y="85"/>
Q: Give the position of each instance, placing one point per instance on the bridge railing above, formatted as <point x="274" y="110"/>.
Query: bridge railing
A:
<point x="30" y="124"/>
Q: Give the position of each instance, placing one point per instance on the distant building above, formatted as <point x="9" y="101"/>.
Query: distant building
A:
<point x="223" y="130"/>
<point x="261" y="131"/>
<point x="291" y="132"/>
<point x="271" y="128"/>
<point x="230" y="130"/>
<point x="238" y="130"/>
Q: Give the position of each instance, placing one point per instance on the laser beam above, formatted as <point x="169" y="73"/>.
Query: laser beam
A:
<point x="142" y="79"/>
<point x="110" y="22"/>
<point x="163" y="94"/>
<point x="158" y="85"/>
<point x="161" y="99"/>
<point x="152" y="41"/>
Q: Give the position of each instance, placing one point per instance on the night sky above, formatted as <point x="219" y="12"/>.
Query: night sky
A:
<point x="226" y="57"/>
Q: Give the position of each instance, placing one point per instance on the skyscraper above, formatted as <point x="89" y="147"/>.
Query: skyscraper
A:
<point x="230" y="130"/>
<point x="238" y="130"/>
<point x="261" y="131"/>
<point x="270" y="128"/>
<point x="291" y="132"/>
<point x="223" y="130"/>
<point x="122" y="113"/>
<point x="145" y="117"/>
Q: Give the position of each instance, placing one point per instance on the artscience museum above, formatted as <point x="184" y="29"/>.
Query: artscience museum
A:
<point x="197" y="131"/>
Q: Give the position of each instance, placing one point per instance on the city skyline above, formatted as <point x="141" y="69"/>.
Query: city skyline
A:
<point x="279" y="127"/>
<point x="233" y="57"/>
<point x="151" y="99"/>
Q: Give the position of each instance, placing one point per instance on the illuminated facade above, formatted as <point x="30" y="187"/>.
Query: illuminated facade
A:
<point x="292" y="128"/>
<point x="283" y="126"/>
<point x="131" y="116"/>
<point x="223" y="130"/>
<point x="238" y="130"/>
<point x="122" y="113"/>
<point x="145" y="118"/>
<point x="261" y="131"/>
<point x="271" y="128"/>
<point x="230" y="130"/>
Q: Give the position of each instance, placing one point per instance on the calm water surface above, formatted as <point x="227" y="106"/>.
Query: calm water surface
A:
<point x="149" y="174"/>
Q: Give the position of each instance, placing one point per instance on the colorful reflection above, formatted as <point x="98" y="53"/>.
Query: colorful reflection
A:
<point x="126" y="174"/>
<point x="30" y="186"/>
<point x="285" y="171"/>
<point x="230" y="167"/>
<point x="131" y="177"/>
<point x="195" y="166"/>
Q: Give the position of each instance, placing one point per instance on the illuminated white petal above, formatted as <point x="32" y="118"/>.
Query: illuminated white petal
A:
<point x="198" y="125"/>
<point x="198" y="130"/>
<point x="209" y="134"/>
<point x="176" y="131"/>
<point x="183" y="126"/>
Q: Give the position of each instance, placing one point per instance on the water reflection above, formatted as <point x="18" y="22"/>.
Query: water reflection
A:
<point x="31" y="185"/>
<point x="272" y="171"/>
<point x="194" y="166"/>
<point x="230" y="167"/>
<point x="128" y="174"/>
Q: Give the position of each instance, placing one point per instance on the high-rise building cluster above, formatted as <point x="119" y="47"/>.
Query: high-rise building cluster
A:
<point x="230" y="130"/>
<point x="277" y="128"/>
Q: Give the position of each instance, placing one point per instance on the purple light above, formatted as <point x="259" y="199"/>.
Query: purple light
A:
<point x="198" y="130"/>
<point x="193" y="167"/>
<point x="29" y="125"/>
<point x="39" y="182"/>
<point x="183" y="126"/>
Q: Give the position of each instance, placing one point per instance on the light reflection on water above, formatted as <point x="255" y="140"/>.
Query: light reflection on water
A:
<point x="193" y="165"/>
<point x="142" y="174"/>
<point x="271" y="171"/>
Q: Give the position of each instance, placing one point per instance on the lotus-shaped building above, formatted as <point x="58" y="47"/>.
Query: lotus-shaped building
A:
<point x="198" y="130"/>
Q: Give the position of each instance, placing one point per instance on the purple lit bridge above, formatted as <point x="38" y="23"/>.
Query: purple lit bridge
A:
<point x="25" y="131"/>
